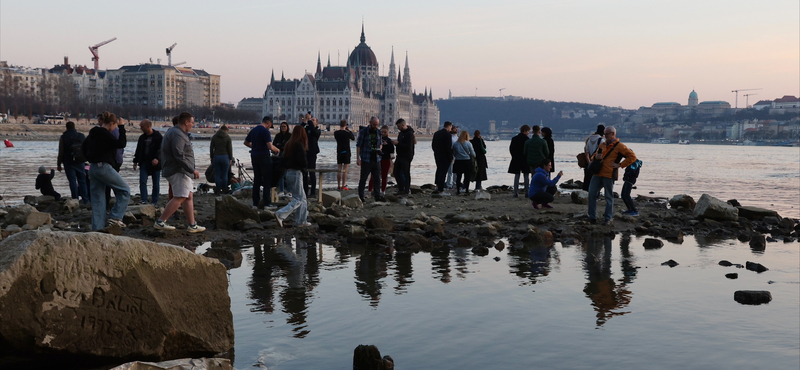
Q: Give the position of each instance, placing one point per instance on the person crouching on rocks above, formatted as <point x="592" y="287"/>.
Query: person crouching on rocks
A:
<point x="542" y="188"/>
<point x="45" y="184"/>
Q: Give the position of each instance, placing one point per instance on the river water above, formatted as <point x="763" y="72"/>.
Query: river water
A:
<point x="606" y="304"/>
<point x="761" y="176"/>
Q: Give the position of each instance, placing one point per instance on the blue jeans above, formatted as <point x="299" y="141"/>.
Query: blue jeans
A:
<point x="594" y="189"/>
<point x="626" y="196"/>
<point x="222" y="165"/>
<point x="76" y="176"/>
<point x="262" y="177"/>
<point x="143" y="175"/>
<point x="102" y="175"/>
<point x="294" y="181"/>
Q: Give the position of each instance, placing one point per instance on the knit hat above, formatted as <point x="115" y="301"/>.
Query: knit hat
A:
<point x="42" y="170"/>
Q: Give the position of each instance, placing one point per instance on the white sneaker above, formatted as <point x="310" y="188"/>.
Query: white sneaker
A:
<point x="162" y="225"/>
<point x="196" y="228"/>
<point x="445" y="194"/>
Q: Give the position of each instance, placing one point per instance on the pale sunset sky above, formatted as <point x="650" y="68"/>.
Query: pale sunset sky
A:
<point x="627" y="53"/>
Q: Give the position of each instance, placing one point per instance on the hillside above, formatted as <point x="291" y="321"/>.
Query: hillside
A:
<point x="475" y="113"/>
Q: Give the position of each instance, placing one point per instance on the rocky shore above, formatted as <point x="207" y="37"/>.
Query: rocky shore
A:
<point x="424" y="220"/>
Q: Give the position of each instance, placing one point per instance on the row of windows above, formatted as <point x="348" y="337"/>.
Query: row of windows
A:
<point x="304" y="101"/>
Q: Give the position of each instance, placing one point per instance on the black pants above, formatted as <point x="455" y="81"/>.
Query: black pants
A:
<point x="544" y="197"/>
<point x="370" y="168"/>
<point x="462" y="167"/>
<point x="402" y="173"/>
<point x="262" y="177"/>
<point x="442" y="166"/>
<point x="309" y="177"/>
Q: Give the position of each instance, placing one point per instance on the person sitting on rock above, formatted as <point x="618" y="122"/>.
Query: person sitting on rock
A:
<point x="44" y="183"/>
<point x="542" y="188"/>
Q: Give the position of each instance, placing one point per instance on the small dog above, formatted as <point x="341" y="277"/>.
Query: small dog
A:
<point x="204" y="188"/>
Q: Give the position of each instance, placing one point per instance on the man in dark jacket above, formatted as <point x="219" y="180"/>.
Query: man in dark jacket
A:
<point x="442" y="145"/>
<point x="259" y="140"/>
<point x="536" y="149"/>
<point x="368" y="157"/>
<point x="519" y="164"/>
<point x="405" y="154"/>
<point x="146" y="157"/>
<point x="69" y="155"/>
<point x="310" y="178"/>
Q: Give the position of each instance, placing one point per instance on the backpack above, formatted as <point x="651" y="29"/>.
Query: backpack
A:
<point x="75" y="152"/>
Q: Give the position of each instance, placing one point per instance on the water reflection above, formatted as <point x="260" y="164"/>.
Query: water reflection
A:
<point x="608" y="297"/>
<point x="440" y="264"/>
<point x="404" y="272"/>
<point x="532" y="263"/>
<point x="295" y="269"/>
<point x="371" y="267"/>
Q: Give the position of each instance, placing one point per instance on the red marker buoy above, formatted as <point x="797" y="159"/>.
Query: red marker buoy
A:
<point x="8" y="143"/>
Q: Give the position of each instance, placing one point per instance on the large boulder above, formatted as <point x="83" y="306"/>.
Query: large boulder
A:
<point x="682" y="200"/>
<point x="756" y="213"/>
<point x="330" y="197"/>
<point x="99" y="295"/>
<point x="143" y="210"/>
<point x="26" y="214"/>
<point x="229" y="211"/>
<point x="352" y="201"/>
<point x="182" y="364"/>
<point x="580" y="197"/>
<point x="380" y="223"/>
<point x="715" y="209"/>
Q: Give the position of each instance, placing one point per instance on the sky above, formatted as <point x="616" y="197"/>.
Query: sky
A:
<point x="627" y="53"/>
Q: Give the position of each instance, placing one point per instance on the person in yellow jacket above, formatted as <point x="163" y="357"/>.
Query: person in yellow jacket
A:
<point x="612" y="151"/>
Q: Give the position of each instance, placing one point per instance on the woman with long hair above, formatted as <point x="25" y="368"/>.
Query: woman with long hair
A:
<point x="547" y="135"/>
<point x="100" y="150"/>
<point x="280" y="140"/>
<point x="462" y="152"/>
<point x="480" y="150"/>
<point x="295" y="161"/>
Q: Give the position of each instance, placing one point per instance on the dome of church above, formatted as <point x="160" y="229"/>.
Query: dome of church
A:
<point x="362" y="55"/>
<point x="692" y="95"/>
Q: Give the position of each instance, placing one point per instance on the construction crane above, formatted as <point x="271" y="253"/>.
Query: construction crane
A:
<point x="737" y="95"/>
<point x="169" y="53"/>
<point x="501" y="92"/>
<point x="178" y="64"/>
<point x="95" y="57"/>
<point x="747" y="99"/>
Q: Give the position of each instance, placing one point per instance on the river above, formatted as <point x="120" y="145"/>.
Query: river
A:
<point x="605" y="304"/>
<point x="767" y="177"/>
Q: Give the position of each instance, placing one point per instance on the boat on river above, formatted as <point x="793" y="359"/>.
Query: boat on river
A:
<point x="683" y="142"/>
<point x="661" y="140"/>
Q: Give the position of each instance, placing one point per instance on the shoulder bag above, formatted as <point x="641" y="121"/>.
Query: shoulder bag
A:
<point x="597" y="165"/>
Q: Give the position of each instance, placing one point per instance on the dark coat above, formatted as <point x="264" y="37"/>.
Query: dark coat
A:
<point x="519" y="163"/>
<point x="480" y="156"/>
<point x="442" y="145"/>
<point x="147" y="151"/>
<point x="551" y="146"/>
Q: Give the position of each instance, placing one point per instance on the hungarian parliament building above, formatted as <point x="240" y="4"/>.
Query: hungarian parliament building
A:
<point x="354" y="92"/>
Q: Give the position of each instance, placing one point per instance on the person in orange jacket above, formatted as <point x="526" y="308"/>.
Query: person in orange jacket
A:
<point x="611" y="152"/>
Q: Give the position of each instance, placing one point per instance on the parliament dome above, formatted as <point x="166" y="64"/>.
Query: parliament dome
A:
<point x="362" y="55"/>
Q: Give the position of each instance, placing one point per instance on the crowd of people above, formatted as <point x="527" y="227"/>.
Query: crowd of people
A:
<point x="288" y="163"/>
